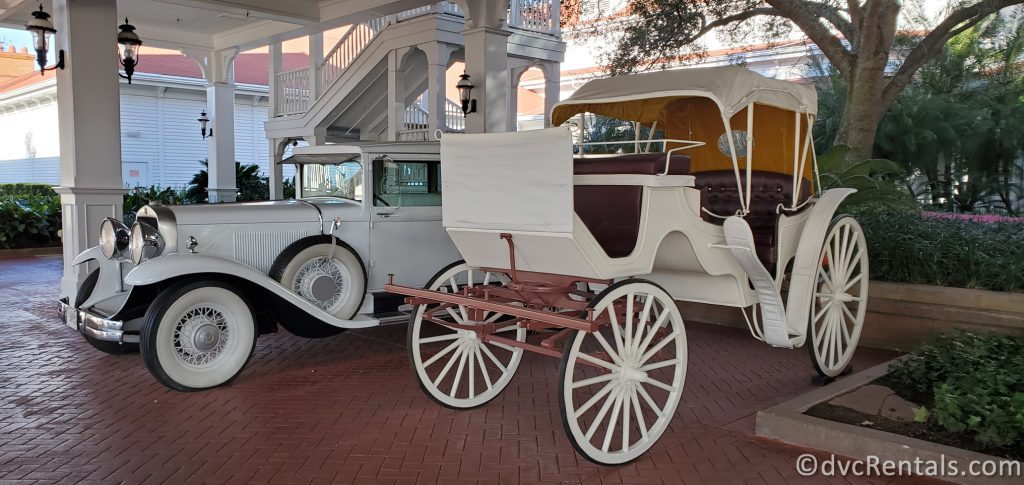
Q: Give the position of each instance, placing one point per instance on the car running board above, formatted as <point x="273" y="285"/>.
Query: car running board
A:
<point x="740" y="242"/>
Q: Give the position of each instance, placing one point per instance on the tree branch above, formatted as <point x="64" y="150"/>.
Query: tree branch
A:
<point x="831" y="14"/>
<point x="805" y="16"/>
<point x="932" y="44"/>
<point x="740" y="17"/>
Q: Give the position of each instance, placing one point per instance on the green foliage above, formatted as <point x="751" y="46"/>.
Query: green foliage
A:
<point x="28" y="216"/>
<point x="877" y="180"/>
<point x="140" y="196"/>
<point x="22" y="190"/>
<point x="247" y="179"/>
<point x="974" y="383"/>
<point x="907" y="247"/>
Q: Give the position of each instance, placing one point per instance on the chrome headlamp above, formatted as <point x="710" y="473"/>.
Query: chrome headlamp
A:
<point x="114" y="237"/>
<point x="145" y="242"/>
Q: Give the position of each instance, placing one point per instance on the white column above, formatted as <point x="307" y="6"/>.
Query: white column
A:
<point x="552" y="88"/>
<point x="220" y="106"/>
<point x="89" y="119"/>
<point x="515" y="74"/>
<point x="396" y="94"/>
<point x="438" y="55"/>
<point x="276" y="176"/>
<point x="316" y="56"/>
<point x="487" y="66"/>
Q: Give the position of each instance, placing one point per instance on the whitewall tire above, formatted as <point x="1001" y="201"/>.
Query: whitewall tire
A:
<point x="198" y="335"/>
<point x="454" y="367"/>
<point x="620" y="385"/>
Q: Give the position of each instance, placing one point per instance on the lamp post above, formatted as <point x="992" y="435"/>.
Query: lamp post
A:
<point x="129" y="51"/>
<point x="42" y="29"/>
<point x="465" y="88"/>
<point x="203" y="120"/>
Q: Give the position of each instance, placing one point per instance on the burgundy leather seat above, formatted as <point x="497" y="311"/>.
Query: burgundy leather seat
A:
<point x="612" y="212"/>
<point x="718" y="194"/>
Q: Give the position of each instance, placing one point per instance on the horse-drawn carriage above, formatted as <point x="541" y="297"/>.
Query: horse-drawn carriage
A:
<point x="583" y="256"/>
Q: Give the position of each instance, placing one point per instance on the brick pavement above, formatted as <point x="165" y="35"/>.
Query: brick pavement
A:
<point x="347" y="410"/>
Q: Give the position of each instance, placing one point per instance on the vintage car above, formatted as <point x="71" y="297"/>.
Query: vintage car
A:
<point x="192" y="286"/>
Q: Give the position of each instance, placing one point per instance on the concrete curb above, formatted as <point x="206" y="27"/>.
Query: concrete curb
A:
<point x="30" y="252"/>
<point x="787" y="423"/>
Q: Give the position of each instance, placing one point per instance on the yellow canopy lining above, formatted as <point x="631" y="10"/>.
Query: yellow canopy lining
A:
<point x="699" y="119"/>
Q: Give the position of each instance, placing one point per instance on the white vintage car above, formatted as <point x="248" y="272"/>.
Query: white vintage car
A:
<point x="192" y="286"/>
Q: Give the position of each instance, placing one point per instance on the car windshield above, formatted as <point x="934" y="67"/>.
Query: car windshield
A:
<point x="344" y="180"/>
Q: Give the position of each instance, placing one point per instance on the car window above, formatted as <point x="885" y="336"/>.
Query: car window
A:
<point x="406" y="184"/>
<point x="344" y="180"/>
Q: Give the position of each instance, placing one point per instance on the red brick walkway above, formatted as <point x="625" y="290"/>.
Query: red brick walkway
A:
<point x="347" y="410"/>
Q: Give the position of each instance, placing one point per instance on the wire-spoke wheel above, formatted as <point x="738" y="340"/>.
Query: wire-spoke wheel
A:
<point x="198" y="335"/>
<point x="621" y="385"/>
<point x="839" y="303"/>
<point x="455" y="367"/>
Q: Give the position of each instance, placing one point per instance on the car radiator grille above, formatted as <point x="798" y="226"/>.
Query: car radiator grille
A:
<point x="259" y="249"/>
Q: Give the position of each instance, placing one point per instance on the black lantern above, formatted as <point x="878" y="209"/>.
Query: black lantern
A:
<point x="129" y="51"/>
<point x="42" y="28"/>
<point x="203" y="120"/>
<point x="465" y="87"/>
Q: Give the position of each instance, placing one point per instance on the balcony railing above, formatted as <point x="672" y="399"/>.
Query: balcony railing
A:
<point x="541" y="16"/>
<point x="293" y="93"/>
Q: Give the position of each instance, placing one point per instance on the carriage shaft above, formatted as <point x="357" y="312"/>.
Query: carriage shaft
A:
<point x="478" y="303"/>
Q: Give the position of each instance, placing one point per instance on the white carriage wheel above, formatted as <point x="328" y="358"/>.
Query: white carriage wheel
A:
<point x="198" y="336"/>
<point x="620" y="386"/>
<point x="839" y="302"/>
<point x="455" y="367"/>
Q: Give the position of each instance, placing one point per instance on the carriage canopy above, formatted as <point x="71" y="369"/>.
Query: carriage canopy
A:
<point x="693" y="104"/>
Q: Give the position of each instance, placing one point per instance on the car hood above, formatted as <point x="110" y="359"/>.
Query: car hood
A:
<point x="262" y="212"/>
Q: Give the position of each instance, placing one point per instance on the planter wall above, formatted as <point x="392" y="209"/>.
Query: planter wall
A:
<point x="29" y="252"/>
<point x="902" y="316"/>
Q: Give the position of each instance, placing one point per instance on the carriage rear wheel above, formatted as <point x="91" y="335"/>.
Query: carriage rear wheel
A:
<point x="455" y="367"/>
<point x="620" y="385"/>
<point x="839" y="303"/>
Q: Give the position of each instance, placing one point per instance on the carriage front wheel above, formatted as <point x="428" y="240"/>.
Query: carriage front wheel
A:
<point x="620" y="385"/>
<point x="454" y="366"/>
<point x="840" y="298"/>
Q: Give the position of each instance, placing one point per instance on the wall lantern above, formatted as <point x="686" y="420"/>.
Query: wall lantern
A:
<point x="129" y="50"/>
<point x="203" y="120"/>
<point x="42" y="29"/>
<point x="465" y="87"/>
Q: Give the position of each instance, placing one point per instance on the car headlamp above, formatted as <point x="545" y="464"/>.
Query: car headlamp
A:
<point x="114" y="236"/>
<point x="145" y="242"/>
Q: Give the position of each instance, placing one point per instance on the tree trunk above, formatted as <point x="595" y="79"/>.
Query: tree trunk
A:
<point x="860" y="120"/>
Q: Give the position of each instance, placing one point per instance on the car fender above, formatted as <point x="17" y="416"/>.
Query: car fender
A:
<point x="174" y="265"/>
<point x="91" y="253"/>
<point x="806" y="263"/>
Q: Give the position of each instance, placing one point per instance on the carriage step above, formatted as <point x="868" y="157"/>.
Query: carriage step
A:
<point x="740" y="242"/>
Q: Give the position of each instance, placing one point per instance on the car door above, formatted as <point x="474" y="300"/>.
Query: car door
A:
<point x="406" y="236"/>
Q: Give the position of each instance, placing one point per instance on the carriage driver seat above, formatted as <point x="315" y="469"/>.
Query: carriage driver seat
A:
<point x="612" y="212"/>
<point x="718" y="194"/>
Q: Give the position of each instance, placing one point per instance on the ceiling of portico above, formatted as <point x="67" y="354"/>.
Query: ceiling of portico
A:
<point x="223" y="24"/>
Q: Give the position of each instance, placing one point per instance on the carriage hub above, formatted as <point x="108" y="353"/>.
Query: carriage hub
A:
<point x="630" y="373"/>
<point x="844" y="297"/>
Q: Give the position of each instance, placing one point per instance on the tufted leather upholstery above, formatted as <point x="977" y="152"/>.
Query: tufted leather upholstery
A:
<point x="612" y="212"/>
<point x="718" y="194"/>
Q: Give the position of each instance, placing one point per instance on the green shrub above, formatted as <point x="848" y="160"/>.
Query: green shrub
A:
<point x="29" y="221"/>
<point x="23" y="190"/>
<point x="971" y="384"/>
<point x="909" y="248"/>
<point x="140" y="196"/>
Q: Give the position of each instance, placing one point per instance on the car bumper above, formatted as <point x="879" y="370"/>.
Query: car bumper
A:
<point x="89" y="324"/>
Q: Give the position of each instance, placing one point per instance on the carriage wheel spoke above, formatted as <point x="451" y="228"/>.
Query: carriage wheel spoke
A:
<point x="483" y="368"/>
<point x="503" y="346"/>
<point x="607" y="348"/>
<point x="609" y="400"/>
<point x="627" y="334"/>
<point x="626" y="406"/>
<point x="853" y="282"/>
<point x="853" y="264"/>
<point x="440" y="354"/>
<point x="659" y="365"/>
<point x="834" y="332"/>
<point x="490" y="355"/>
<point x="656" y="383"/>
<point x="645" y="314"/>
<point x="650" y="401"/>
<point x="652" y="332"/>
<point x="638" y="413"/>
<point x="471" y="356"/>
<point x="458" y="374"/>
<point x="593" y="380"/>
<point x="439" y="338"/>
<point x="448" y="366"/>
<point x="647" y="356"/>
<point x="457" y="319"/>
<point x="611" y="422"/>
<point x="594" y="360"/>
<point x="615" y="327"/>
<point x="593" y="399"/>
<point x="824" y="277"/>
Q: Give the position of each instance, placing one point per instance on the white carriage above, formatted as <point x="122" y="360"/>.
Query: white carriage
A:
<point x="194" y="285"/>
<point x="583" y="256"/>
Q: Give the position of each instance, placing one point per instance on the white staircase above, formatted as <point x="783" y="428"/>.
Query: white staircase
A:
<point x="345" y="94"/>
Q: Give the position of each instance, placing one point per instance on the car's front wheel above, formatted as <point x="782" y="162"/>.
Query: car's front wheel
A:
<point x="198" y="335"/>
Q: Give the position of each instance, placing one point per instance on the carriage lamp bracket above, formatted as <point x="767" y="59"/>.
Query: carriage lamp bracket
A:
<point x="334" y="239"/>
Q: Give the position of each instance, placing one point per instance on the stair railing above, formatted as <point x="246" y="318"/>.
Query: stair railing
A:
<point x="348" y="48"/>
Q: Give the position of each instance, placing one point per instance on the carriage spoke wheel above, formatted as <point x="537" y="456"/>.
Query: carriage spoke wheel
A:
<point x="839" y="303"/>
<point x="455" y="367"/>
<point x="621" y="385"/>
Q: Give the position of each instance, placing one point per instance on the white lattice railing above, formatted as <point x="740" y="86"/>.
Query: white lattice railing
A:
<point x="454" y="119"/>
<point x="419" y="134"/>
<point x="535" y="16"/>
<point x="348" y="48"/>
<point x="292" y="94"/>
